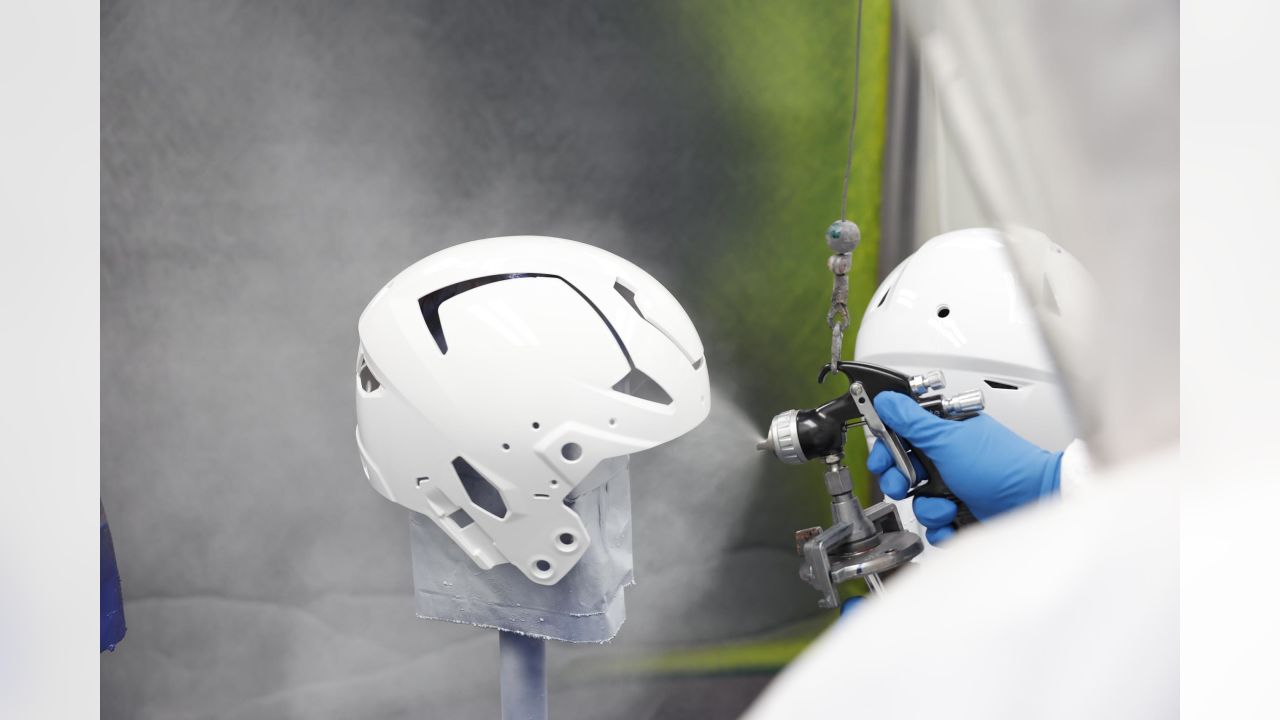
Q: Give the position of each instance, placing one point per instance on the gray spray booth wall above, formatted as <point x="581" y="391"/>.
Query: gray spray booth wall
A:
<point x="265" y="168"/>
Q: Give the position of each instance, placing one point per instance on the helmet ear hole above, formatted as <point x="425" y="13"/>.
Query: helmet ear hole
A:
<point x="480" y="491"/>
<point x="542" y="568"/>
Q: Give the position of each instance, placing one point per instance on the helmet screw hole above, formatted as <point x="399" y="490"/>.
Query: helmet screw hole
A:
<point x="506" y="446"/>
<point x="613" y="421"/>
<point x="566" y="538"/>
<point x="536" y="426"/>
<point x="571" y="451"/>
<point x="943" y="311"/>
<point x="542" y="566"/>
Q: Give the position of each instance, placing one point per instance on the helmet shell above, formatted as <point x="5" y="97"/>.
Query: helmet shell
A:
<point x="957" y="305"/>
<point x="493" y="376"/>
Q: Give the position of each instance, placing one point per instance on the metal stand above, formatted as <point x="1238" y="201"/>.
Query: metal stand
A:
<point x="522" y="676"/>
<point x="858" y="544"/>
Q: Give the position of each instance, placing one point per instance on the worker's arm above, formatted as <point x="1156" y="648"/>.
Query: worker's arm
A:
<point x="1075" y="475"/>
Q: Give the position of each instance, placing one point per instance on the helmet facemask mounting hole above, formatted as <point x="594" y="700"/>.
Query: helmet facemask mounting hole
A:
<point x="566" y="542"/>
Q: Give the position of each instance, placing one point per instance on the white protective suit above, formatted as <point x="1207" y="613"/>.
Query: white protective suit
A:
<point x="1067" y="609"/>
<point x="1064" y="118"/>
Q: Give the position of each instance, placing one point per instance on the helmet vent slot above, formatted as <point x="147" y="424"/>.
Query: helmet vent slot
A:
<point x="482" y="493"/>
<point x="430" y="303"/>
<point x="461" y="518"/>
<point x="368" y="381"/>
<point x="629" y="295"/>
<point x="638" y="385"/>
<point x="997" y="385"/>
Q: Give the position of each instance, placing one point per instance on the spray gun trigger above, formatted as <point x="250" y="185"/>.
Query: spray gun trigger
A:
<point x="883" y="434"/>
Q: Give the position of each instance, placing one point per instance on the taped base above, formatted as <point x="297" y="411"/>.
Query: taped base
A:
<point x="586" y="606"/>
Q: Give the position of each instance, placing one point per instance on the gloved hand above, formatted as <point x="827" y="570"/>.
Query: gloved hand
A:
<point x="985" y="464"/>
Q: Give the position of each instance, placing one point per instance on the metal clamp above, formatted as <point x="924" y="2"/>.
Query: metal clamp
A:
<point x="826" y="565"/>
<point x="817" y="566"/>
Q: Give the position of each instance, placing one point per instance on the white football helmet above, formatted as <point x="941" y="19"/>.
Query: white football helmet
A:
<point x="493" y="376"/>
<point x="956" y="305"/>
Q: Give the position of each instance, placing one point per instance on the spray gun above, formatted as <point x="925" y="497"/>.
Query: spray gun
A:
<point x="872" y="542"/>
<point x="797" y="436"/>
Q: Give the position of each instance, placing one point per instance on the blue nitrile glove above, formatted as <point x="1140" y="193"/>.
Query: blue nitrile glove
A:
<point x="985" y="464"/>
<point x="848" y="606"/>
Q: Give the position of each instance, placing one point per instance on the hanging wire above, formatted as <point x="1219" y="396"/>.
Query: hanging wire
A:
<point x="853" y="122"/>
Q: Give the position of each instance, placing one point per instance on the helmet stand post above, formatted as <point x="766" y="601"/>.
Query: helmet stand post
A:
<point x="522" y="676"/>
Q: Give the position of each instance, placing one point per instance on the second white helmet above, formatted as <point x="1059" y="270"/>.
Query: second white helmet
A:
<point x="956" y="305"/>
